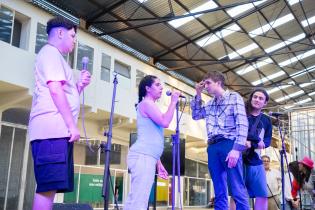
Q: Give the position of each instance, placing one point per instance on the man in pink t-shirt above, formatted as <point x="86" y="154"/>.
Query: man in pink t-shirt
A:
<point x="54" y="114"/>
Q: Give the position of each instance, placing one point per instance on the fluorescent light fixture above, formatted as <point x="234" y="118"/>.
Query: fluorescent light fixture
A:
<point x="243" y="50"/>
<point x="302" y="72"/>
<point x="310" y="21"/>
<point x="299" y="57"/>
<point x="276" y="89"/>
<point x="303" y="101"/>
<point x="288" y="42"/>
<point x="270" y="25"/>
<point x="218" y="35"/>
<point x="181" y="21"/>
<point x="292" y="95"/>
<point x="235" y="11"/>
<point x="270" y="77"/>
<point x="254" y="66"/>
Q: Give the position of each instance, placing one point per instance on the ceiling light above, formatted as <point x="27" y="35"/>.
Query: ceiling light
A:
<point x="218" y="35"/>
<point x="254" y="66"/>
<point x="312" y="93"/>
<point x="243" y="50"/>
<point x="181" y="21"/>
<point x="300" y="92"/>
<point x="273" y="24"/>
<point x="270" y="77"/>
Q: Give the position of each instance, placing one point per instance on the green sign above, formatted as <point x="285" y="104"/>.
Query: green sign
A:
<point x="90" y="189"/>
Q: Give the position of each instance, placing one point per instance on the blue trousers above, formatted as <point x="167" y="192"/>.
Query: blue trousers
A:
<point x="222" y="175"/>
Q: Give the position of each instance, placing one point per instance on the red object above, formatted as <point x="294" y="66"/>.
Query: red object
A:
<point x="295" y="188"/>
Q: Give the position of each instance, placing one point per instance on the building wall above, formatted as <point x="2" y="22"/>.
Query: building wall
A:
<point x="17" y="84"/>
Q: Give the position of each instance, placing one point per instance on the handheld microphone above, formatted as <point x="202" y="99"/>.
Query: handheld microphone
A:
<point x="276" y="114"/>
<point x="169" y="93"/>
<point x="85" y="62"/>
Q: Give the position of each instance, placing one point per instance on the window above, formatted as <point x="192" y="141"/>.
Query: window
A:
<point x="190" y="168"/>
<point x="41" y="37"/>
<point x="122" y="69"/>
<point x="13" y="28"/>
<point x="124" y="74"/>
<point x="85" y="51"/>
<point x="6" y="23"/>
<point x="105" y="67"/>
<point x="139" y="76"/>
<point x="115" y="155"/>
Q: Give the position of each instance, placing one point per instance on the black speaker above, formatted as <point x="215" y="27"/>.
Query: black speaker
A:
<point x="71" y="206"/>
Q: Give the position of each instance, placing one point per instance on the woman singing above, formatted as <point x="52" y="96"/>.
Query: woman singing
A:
<point x="144" y="155"/>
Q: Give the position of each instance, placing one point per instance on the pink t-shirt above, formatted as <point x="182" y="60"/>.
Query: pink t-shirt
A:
<point x="45" y="120"/>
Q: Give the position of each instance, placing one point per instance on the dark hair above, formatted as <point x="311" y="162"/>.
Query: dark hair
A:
<point x="60" y="22"/>
<point x="248" y="104"/>
<point x="300" y="177"/>
<point x="265" y="156"/>
<point x="215" y="76"/>
<point x="145" y="81"/>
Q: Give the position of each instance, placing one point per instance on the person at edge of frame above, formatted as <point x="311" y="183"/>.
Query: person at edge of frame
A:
<point x="54" y="114"/>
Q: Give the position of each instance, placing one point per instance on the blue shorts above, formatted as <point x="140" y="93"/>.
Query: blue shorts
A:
<point x="53" y="164"/>
<point x="255" y="181"/>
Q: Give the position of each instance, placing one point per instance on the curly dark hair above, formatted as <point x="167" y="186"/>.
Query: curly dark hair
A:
<point x="60" y="22"/>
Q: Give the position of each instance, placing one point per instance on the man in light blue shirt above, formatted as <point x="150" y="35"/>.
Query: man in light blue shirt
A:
<point x="227" y="128"/>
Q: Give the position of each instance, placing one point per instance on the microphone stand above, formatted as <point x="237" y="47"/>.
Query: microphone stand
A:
<point x="296" y="158"/>
<point x="107" y="148"/>
<point x="283" y="156"/>
<point x="176" y="157"/>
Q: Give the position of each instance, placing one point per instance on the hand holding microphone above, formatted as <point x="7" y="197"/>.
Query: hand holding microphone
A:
<point x="85" y="77"/>
<point x="174" y="95"/>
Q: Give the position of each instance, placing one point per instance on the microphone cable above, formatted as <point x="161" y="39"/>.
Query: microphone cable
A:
<point x="83" y="124"/>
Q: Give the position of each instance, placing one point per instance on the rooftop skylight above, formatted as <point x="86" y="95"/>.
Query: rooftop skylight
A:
<point x="270" y="77"/>
<point x="181" y="21"/>
<point x="292" y="95"/>
<point x="299" y="57"/>
<point x="243" y="50"/>
<point x="218" y="35"/>
<point x="302" y="72"/>
<point x="272" y="24"/>
<point x="254" y="66"/>
<point x="287" y="42"/>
